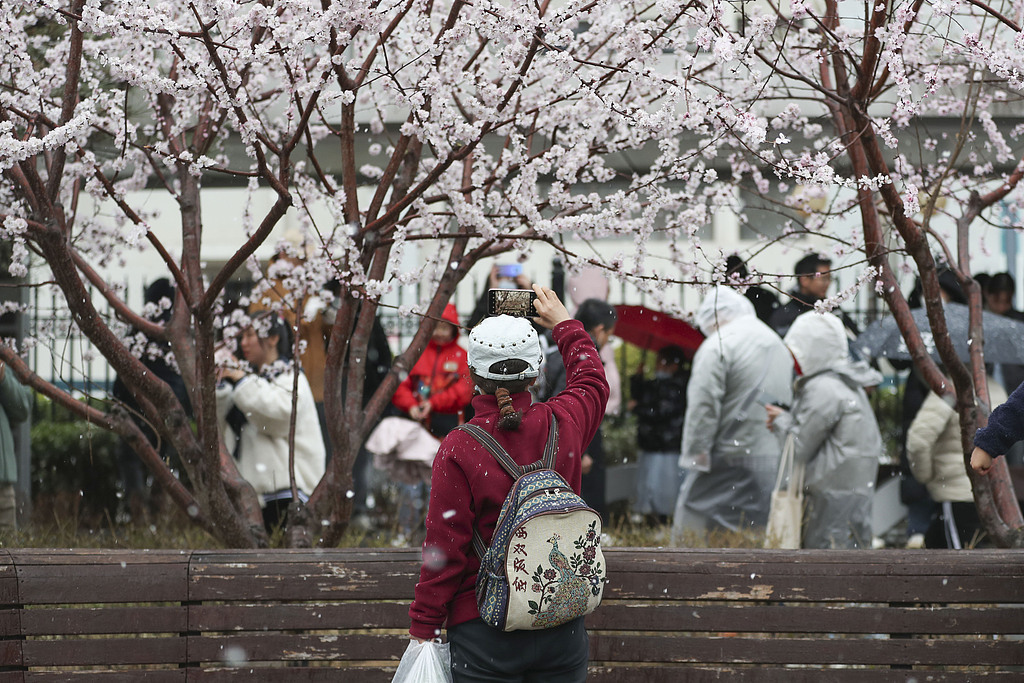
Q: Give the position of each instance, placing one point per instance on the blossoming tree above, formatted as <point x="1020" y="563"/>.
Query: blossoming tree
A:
<point x="469" y="129"/>
<point x="886" y="117"/>
<point x="492" y="121"/>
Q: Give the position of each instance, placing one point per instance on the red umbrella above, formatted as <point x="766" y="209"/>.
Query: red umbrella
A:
<point x="653" y="330"/>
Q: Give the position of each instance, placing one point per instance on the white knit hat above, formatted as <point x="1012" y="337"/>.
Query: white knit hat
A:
<point x="504" y="337"/>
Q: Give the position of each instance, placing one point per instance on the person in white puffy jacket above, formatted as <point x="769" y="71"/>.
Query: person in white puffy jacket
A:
<point x="254" y="404"/>
<point x="835" y="434"/>
<point x="936" y="459"/>
<point x="729" y="455"/>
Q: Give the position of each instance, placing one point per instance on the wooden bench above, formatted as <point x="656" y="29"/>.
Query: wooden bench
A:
<point x="669" y="615"/>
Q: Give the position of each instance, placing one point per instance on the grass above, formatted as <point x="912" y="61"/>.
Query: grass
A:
<point x="170" y="532"/>
<point x="57" y="524"/>
<point x="623" y="532"/>
<point x="174" y="533"/>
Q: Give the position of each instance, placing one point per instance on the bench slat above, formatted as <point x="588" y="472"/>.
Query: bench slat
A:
<point x="735" y="587"/>
<point x="355" y="674"/>
<point x="104" y="620"/>
<point x="104" y="651"/>
<point x="10" y="653"/>
<point x="334" y="581"/>
<point x="290" y="556"/>
<point x="102" y="583"/>
<point x="296" y="647"/>
<point x="660" y="674"/>
<point x="777" y="618"/>
<point x="790" y="618"/>
<point x="204" y="618"/>
<point x="131" y="676"/>
<point x="59" y="557"/>
<point x="856" y="562"/>
<point x="253" y="589"/>
<point x="668" y="673"/>
<point x="660" y="648"/>
<point x="10" y="623"/>
<point x="636" y="648"/>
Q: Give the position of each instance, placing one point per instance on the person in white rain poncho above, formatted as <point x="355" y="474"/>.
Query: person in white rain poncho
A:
<point x="730" y="455"/>
<point x="835" y="435"/>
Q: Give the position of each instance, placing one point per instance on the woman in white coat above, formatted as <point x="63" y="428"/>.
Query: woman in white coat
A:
<point x="255" y="406"/>
<point x="936" y="457"/>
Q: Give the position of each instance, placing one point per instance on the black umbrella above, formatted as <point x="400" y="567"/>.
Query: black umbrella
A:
<point x="1004" y="337"/>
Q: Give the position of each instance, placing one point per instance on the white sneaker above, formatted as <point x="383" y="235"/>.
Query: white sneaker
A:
<point x="915" y="541"/>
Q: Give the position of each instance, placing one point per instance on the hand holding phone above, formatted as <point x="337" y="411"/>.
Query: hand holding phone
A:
<point x="550" y="311"/>
<point x="772" y="411"/>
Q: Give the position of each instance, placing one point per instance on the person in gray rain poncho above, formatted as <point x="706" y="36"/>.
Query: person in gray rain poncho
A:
<point x="727" y="448"/>
<point x="835" y="434"/>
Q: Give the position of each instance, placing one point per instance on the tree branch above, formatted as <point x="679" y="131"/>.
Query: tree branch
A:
<point x="69" y="101"/>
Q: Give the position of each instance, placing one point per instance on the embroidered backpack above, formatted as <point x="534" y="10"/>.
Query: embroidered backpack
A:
<point x="544" y="566"/>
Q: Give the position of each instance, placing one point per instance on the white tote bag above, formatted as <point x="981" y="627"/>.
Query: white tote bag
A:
<point x="785" y="517"/>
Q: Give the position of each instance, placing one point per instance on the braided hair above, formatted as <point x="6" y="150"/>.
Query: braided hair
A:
<point x="509" y="418"/>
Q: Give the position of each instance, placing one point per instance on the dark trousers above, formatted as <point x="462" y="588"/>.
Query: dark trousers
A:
<point x="963" y="517"/>
<point x="554" y="655"/>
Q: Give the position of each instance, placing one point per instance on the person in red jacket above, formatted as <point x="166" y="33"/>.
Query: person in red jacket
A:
<point x="438" y="389"/>
<point x="435" y="394"/>
<point x="469" y="486"/>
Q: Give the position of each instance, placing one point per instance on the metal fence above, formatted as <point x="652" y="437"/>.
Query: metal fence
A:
<point x="64" y="356"/>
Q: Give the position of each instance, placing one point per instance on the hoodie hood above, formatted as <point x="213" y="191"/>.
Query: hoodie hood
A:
<point x="449" y="315"/>
<point x="721" y="306"/>
<point x="818" y="342"/>
<point x="452" y="316"/>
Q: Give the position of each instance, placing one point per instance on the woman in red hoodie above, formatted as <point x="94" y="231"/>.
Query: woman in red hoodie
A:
<point x="435" y="394"/>
<point x="438" y="389"/>
<point x="468" y="487"/>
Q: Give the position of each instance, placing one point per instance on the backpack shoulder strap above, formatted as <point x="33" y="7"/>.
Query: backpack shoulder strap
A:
<point x="494" y="448"/>
<point x="514" y="470"/>
<point x="551" y="445"/>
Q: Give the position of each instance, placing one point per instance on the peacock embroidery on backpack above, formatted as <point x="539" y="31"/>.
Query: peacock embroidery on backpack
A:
<point x="566" y="586"/>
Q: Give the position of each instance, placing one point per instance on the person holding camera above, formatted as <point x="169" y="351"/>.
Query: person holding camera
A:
<point x="436" y="393"/>
<point x="437" y="389"/>
<point x="469" y="488"/>
<point x="254" y="403"/>
<point x="502" y="276"/>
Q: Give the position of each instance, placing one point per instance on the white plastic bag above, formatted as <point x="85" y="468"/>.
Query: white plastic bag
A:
<point x="428" y="662"/>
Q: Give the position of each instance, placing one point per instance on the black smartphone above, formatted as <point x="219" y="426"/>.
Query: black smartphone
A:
<point x="516" y="302"/>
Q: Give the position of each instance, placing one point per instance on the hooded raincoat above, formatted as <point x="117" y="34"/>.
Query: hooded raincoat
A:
<point x="836" y="435"/>
<point x="741" y="365"/>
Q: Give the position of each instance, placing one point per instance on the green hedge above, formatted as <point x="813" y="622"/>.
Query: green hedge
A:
<point x="74" y="468"/>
